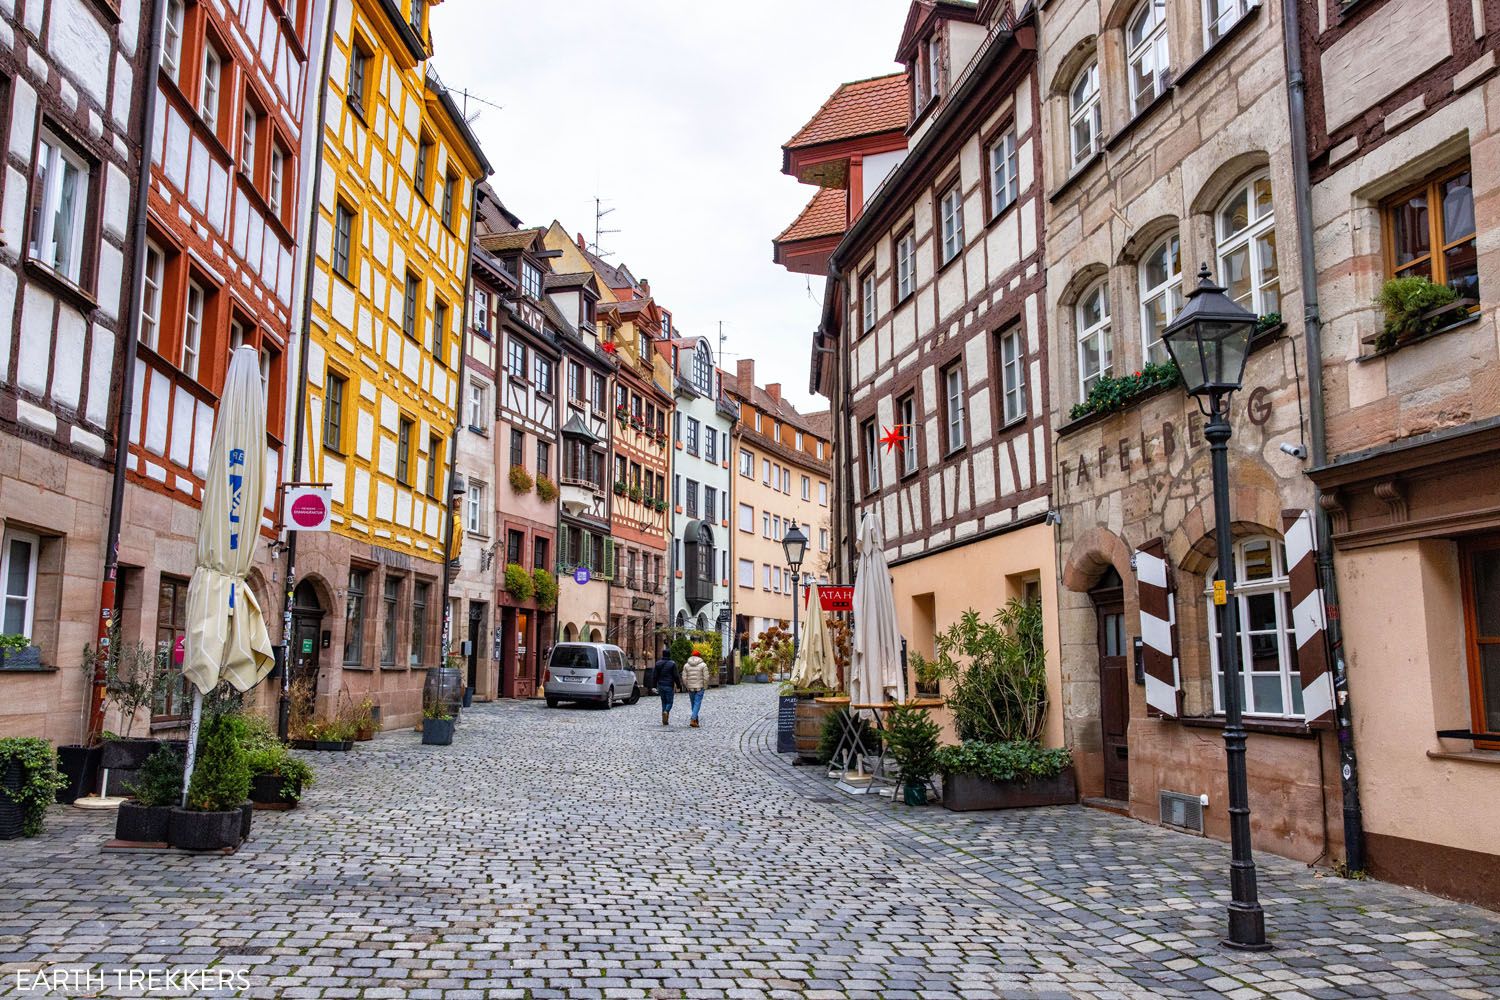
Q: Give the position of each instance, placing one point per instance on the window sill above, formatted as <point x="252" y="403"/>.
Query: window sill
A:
<point x="109" y="9"/>
<point x="1459" y="324"/>
<point x="40" y="669"/>
<point x="1268" y="727"/>
<point x="393" y="667"/>
<point x="1076" y="175"/>
<point x="357" y="666"/>
<point x="1491" y="757"/>
<point x="75" y="295"/>
<point x="942" y="266"/>
<point x="1140" y="116"/>
<point x="1002" y="213"/>
<point x="1235" y="30"/>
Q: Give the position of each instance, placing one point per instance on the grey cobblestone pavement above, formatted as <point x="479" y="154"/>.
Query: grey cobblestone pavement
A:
<point x="594" y="854"/>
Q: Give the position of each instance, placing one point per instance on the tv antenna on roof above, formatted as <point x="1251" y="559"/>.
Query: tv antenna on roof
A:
<point x="596" y="248"/>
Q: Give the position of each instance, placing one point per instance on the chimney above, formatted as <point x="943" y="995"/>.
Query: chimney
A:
<point x="646" y="287"/>
<point x="581" y="244"/>
<point x="745" y="374"/>
<point x="774" y="391"/>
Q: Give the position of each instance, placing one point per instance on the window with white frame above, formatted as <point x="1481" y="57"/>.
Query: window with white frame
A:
<point x="806" y="488"/>
<point x="481" y="309"/>
<point x="1005" y="182"/>
<point x="192" y="329"/>
<point x="276" y="178"/>
<point x="747" y="518"/>
<point x="171" y="40"/>
<point x="955" y="423"/>
<point x="1095" y="351"/>
<point x="19" y="575"/>
<point x="156" y="265"/>
<point x="209" y="85"/>
<point x="1221" y="15"/>
<point x="1272" y="685"/>
<point x="1146" y="53"/>
<point x="822" y="539"/>
<point x="867" y="302"/>
<point x="474" y="509"/>
<point x="823" y="494"/>
<point x="747" y="464"/>
<point x="1246" y="228"/>
<point x="906" y="265"/>
<point x="1161" y="296"/>
<point x="247" y="140"/>
<point x="765" y="577"/>
<point x="869" y="438"/>
<point x="765" y="525"/>
<point x="59" y="212"/>
<point x="531" y="281"/>
<point x="934" y="56"/>
<point x="951" y="209"/>
<point x="747" y="574"/>
<point x="1013" y="376"/>
<point x="479" y="404"/>
<point x="906" y="416"/>
<point x="1084" y="117"/>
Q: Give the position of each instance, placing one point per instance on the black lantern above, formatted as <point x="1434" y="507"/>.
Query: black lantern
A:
<point x="794" y="544"/>
<point x="1210" y="339"/>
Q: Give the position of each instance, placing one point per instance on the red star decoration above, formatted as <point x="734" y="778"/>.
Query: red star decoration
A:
<point x="895" y="437"/>
<point x="609" y="346"/>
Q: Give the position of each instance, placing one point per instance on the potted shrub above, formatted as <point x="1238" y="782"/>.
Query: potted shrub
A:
<point x="520" y="479"/>
<point x="912" y="741"/>
<point x="366" y="723"/>
<point x="277" y="777"/>
<point x="29" y="780"/>
<point x="1414" y="306"/>
<point x="519" y="583"/>
<point x="437" y="725"/>
<point x="999" y="704"/>
<point x="156" y="789"/>
<point x="214" y="818"/>
<point x="620" y="488"/>
<point x="17" y="653"/>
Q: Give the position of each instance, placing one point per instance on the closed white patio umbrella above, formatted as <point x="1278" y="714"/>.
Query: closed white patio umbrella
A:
<point x="877" y="675"/>
<point x="816" y="666"/>
<point x="226" y="631"/>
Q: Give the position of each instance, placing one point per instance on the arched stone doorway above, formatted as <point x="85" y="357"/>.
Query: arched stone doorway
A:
<point x="1108" y="595"/>
<point x="307" y="632"/>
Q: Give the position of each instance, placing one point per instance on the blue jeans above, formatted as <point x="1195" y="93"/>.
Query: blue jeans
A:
<point x="667" y="695"/>
<point x="696" y="697"/>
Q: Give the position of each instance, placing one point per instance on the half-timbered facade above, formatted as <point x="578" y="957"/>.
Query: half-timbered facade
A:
<point x="942" y="344"/>
<point x="524" y="383"/>
<point x="389" y="294"/>
<point x="1167" y="148"/>
<point x="1401" y="100"/>
<point x="71" y="85"/>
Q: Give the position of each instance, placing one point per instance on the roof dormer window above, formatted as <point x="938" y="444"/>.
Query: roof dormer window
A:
<point x="934" y="54"/>
<point x="926" y="84"/>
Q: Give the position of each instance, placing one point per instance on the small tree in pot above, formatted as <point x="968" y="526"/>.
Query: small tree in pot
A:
<point x="911" y="738"/>
<point x="214" y="817"/>
<point x="156" y="789"/>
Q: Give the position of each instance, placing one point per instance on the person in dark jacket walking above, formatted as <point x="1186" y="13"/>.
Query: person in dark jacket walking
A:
<point x="667" y="680"/>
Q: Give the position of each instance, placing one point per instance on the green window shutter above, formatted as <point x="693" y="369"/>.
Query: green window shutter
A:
<point x="562" y="545"/>
<point x="609" y="558"/>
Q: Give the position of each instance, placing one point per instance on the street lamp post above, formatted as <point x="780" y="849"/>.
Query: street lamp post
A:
<point x="794" y="543"/>
<point x="1210" y="340"/>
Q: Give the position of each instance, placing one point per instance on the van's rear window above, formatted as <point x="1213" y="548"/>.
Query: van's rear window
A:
<point x="572" y="656"/>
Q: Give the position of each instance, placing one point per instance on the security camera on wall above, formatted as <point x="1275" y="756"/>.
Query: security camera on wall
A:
<point x="1297" y="451"/>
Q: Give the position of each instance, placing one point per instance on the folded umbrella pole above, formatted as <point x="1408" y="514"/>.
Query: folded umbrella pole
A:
<point x="227" y="639"/>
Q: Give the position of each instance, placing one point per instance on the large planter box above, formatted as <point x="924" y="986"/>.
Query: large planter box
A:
<point x="80" y="768"/>
<point x="29" y="658"/>
<point x="437" y="732"/>
<point x="338" y="746"/>
<point x="966" y="792"/>
<point x="12" y="816"/>
<point x="265" y="792"/>
<point x="142" y="824"/>
<point x="126" y="755"/>
<point x="205" y="831"/>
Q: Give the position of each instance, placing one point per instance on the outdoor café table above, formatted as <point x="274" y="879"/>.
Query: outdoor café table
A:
<point x="878" y="710"/>
<point x="850" y="746"/>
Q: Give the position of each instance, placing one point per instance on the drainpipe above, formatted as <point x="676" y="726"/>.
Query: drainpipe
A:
<point x="127" y="397"/>
<point x="846" y="435"/>
<point x="299" y="418"/>
<point x="463" y="358"/>
<point x="1354" y="838"/>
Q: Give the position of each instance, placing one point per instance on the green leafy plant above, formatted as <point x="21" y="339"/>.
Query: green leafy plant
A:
<point x="519" y="583"/>
<point x="520" y="479"/>
<point x="635" y="494"/>
<point x="1001" y="690"/>
<point x="545" y="587"/>
<point x="621" y="487"/>
<point x="1003" y="762"/>
<point x="13" y="641"/>
<point x="136" y="677"/>
<point x="1269" y="321"/>
<point x="1407" y="303"/>
<point x="159" y="781"/>
<point x="277" y="761"/>
<point x="1110" y="393"/>
<point x="546" y="489"/>
<point x="221" y="776"/>
<point x="437" y="711"/>
<point x="40" y="779"/>
<point x="912" y="739"/>
<point x="930" y="674"/>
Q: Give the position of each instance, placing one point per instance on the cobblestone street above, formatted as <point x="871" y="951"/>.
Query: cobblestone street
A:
<point x="579" y="853"/>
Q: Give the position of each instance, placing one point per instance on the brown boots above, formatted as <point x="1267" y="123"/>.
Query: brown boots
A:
<point x="694" y="723"/>
<point x="664" y="717"/>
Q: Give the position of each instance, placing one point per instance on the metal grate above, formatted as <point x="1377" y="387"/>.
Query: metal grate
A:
<point x="1185" y="812"/>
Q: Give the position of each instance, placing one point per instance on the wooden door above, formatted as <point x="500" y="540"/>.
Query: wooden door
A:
<point x="1114" y="692"/>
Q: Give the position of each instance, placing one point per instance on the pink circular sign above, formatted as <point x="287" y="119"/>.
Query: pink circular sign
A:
<point x="309" y="510"/>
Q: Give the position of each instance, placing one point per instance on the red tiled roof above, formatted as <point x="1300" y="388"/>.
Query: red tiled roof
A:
<point x="864" y="107"/>
<point x="826" y="215"/>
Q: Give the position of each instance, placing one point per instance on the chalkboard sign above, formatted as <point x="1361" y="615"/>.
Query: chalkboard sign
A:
<point x="786" y="724"/>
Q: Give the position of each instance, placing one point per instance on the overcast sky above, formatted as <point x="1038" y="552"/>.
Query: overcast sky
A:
<point x="673" y="112"/>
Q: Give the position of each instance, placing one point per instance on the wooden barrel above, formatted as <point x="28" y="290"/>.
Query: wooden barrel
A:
<point x="808" y="727"/>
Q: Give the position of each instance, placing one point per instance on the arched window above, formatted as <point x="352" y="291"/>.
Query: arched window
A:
<point x="1147" y="55"/>
<point x="1094" y="347"/>
<point x="1083" y="114"/>
<point x="1219" y="16"/>
<point x="703" y="369"/>
<point x="1161" y="295"/>
<point x="1246" y="227"/>
<point x="1268" y="644"/>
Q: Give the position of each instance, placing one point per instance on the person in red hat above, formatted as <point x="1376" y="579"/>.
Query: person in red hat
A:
<point x="694" y="681"/>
